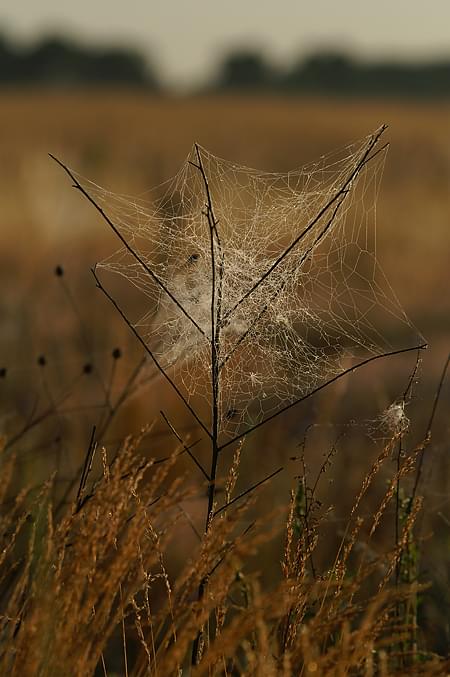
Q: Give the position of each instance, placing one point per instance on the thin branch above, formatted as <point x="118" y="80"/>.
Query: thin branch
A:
<point x="428" y="433"/>
<point x="216" y="312"/>
<point x="112" y="411"/>
<point x="51" y="411"/>
<point x="409" y="387"/>
<point x="327" y="461"/>
<point x="87" y="467"/>
<point x="164" y="459"/>
<point x="406" y="396"/>
<point x="278" y="291"/>
<point x="149" y="352"/>
<point x="248" y="491"/>
<point x="190" y="521"/>
<point x="230" y="547"/>
<point x="209" y="205"/>
<point x="438" y="395"/>
<point x="185" y="448"/>
<point x="130" y="249"/>
<point x="124" y="634"/>
<point x="364" y="160"/>
<point x="126" y="392"/>
<point x="215" y="337"/>
<point x="309" y="504"/>
<point x="321" y="387"/>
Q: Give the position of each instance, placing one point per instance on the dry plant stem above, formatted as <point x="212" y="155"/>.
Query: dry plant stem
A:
<point x="397" y="513"/>
<point x="185" y="448"/>
<point x="308" y="503"/>
<point x="216" y="320"/>
<point x="350" y="370"/>
<point x="428" y="433"/>
<point x="321" y="235"/>
<point x="127" y="390"/>
<point x="77" y="185"/>
<point x="342" y="191"/>
<point x="41" y="417"/>
<point x="413" y="495"/>
<point x="87" y="467"/>
<point x="406" y="397"/>
<point x="230" y="548"/>
<point x="162" y="371"/>
<point x="248" y="491"/>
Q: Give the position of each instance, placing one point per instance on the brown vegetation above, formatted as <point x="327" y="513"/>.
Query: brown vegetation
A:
<point x="100" y="575"/>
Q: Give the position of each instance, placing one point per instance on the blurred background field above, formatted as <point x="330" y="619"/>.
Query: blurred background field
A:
<point x="66" y="358"/>
<point x="128" y="142"/>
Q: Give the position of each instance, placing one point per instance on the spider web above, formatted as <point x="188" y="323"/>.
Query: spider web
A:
<point x="289" y="319"/>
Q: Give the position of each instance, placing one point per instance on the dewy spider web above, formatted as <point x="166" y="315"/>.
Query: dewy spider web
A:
<point x="289" y="319"/>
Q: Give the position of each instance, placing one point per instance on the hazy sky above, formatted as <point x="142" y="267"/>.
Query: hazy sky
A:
<point x="187" y="37"/>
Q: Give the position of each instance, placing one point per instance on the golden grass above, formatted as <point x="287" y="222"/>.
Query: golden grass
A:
<point x="90" y="589"/>
<point x="128" y="142"/>
<point x="114" y="582"/>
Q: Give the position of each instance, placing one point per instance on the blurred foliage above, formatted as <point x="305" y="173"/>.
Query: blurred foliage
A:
<point x="335" y="73"/>
<point x="57" y="60"/>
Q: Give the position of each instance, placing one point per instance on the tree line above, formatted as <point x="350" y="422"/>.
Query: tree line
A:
<point x="57" y="61"/>
<point x="336" y="73"/>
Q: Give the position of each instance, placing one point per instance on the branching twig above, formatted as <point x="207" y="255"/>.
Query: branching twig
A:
<point x="398" y="516"/>
<point x="150" y="353"/>
<point x="248" y="491"/>
<point x="124" y="395"/>
<point x="282" y="285"/>
<point x="87" y="467"/>
<point x="428" y="433"/>
<point x="321" y="387"/>
<point x="47" y="413"/>
<point x="185" y="448"/>
<point x="130" y="249"/>
<point x="343" y="189"/>
<point x="216" y="320"/>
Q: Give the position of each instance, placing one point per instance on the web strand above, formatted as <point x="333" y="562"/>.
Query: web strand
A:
<point x="296" y="292"/>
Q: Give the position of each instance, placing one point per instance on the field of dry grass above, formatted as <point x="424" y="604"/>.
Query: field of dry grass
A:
<point x="61" y="376"/>
<point x="128" y="143"/>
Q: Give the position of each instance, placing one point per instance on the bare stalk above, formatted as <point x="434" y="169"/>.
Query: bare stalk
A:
<point x="185" y="447"/>
<point x="216" y="320"/>
<point x="116" y="231"/>
<point x="366" y="157"/>
<point x="278" y="291"/>
<point x="216" y="306"/>
<point x="428" y="432"/>
<point x="161" y="369"/>
<point x="248" y="491"/>
<point x="398" y="516"/>
<point x="350" y="370"/>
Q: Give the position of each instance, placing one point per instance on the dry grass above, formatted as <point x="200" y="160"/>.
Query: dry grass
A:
<point x="108" y="583"/>
<point x="128" y="142"/>
<point x="89" y="590"/>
